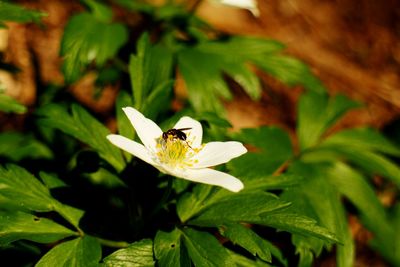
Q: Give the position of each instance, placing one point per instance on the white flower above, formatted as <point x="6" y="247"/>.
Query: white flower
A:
<point x="188" y="159"/>
<point x="250" y="5"/>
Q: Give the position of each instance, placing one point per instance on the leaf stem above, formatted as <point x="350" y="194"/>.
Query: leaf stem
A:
<point x="165" y="196"/>
<point x="112" y="243"/>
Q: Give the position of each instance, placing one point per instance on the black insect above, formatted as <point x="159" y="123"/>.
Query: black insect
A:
<point x="176" y="134"/>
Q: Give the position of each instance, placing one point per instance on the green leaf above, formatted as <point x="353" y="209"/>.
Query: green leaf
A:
<point x="354" y="186"/>
<point x="149" y="69"/>
<point x="290" y="71"/>
<point x="169" y="249"/>
<point x="7" y="103"/>
<point x="242" y="261"/>
<point x="247" y="239"/>
<point x="17" y="13"/>
<point x="296" y="224"/>
<point x="239" y="208"/>
<point x="137" y="254"/>
<point x="191" y="203"/>
<point x="88" y="39"/>
<point x="244" y="47"/>
<point x="24" y="189"/>
<point x="273" y="148"/>
<point x="205" y="250"/>
<point x="21" y="188"/>
<point x="362" y="139"/>
<point x="84" y="127"/>
<point x="80" y="252"/>
<point x="16" y="225"/>
<point x="325" y="208"/>
<point x="202" y="74"/>
<point x="271" y="182"/>
<point x="100" y="11"/>
<point x="371" y="162"/>
<point x="17" y="146"/>
<point x="51" y="180"/>
<point x="316" y="113"/>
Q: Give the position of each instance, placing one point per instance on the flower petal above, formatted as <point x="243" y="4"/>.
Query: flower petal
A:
<point x="195" y="134"/>
<point x="215" y="153"/>
<point x="211" y="177"/>
<point x="146" y="129"/>
<point x="250" y="5"/>
<point x="132" y="147"/>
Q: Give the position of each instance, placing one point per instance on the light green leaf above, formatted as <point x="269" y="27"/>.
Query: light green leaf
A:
<point x="23" y="190"/>
<point x="239" y="208"/>
<point x="290" y="71"/>
<point x="169" y="249"/>
<point x="316" y="113"/>
<point x="149" y="69"/>
<point x="80" y="252"/>
<point x="88" y="39"/>
<point x="100" y="11"/>
<point x="326" y="208"/>
<point x="244" y="47"/>
<point x="84" y="127"/>
<point x="242" y="261"/>
<point x="138" y="254"/>
<point x="205" y="250"/>
<point x="21" y="187"/>
<point x="273" y="148"/>
<point x="7" y="103"/>
<point x="354" y="186"/>
<point x="371" y="162"/>
<point x="16" y="225"/>
<point x="247" y="239"/>
<point x="296" y="224"/>
<point x="202" y="74"/>
<point x="192" y="202"/>
<point x="51" y="180"/>
<point x="17" y="13"/>
<point x="17" y="146"/>
<point x="363" y="139"/>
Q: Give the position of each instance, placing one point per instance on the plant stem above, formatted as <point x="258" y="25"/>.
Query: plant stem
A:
<point x="165" y="196"/>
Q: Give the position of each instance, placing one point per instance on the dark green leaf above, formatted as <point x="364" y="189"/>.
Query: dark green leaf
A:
<point x="17" y="146"/>
<point x="16" y="225"/>
<point x="205" y="250"/>
<point x="290" y="71"/>
<point x="9" y="104"/>
<point x="17" y="13"/>
<point x="213" y="119"/>
<point x="80" y="252"/>
<point x="88" y="39"/>
<point x="84" y="127"/>
<point x="316" y="113"/>
<point x="137" y="254"/>
<point x="139" y="5"/>
<point x="247" y="239"/>
<point x="169" y="249"/>
<point x="273" y="148"/>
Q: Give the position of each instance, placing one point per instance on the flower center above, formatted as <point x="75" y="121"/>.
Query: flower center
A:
<point x="176" y="152"/>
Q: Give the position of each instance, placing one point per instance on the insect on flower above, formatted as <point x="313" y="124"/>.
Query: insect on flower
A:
<point x="176" y="134"/>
